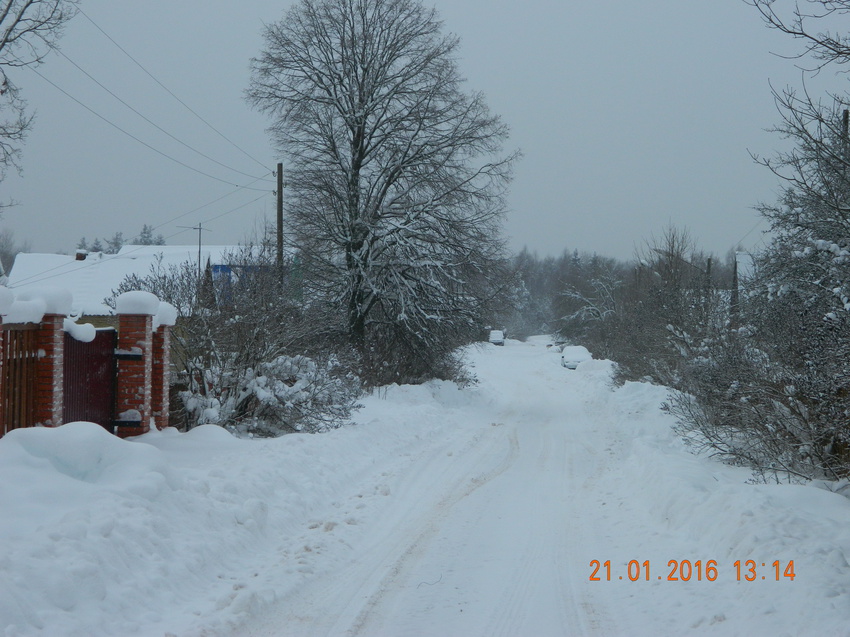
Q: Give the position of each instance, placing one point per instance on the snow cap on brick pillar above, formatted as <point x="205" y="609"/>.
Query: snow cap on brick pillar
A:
<point x="135" y="362"/>
<point x="165" y="318"/>
<point x="50" y="340"/>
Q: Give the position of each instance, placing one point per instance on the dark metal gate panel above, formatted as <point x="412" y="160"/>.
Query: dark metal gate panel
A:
<point x="89" y="371"/>
<point x="20" y="355"/>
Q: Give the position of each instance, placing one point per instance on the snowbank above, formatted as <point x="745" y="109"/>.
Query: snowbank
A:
<point x="196" y="533"/>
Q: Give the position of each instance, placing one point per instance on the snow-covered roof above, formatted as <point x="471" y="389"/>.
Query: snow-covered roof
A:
<point x="93" y="279"/>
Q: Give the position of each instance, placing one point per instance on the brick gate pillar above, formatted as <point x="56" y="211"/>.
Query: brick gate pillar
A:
<point x="135" y="367"/>
<point x="50" y="341"/>
<point x="7" y="297"/>
<point x="3" y="423"/>
<point x="160" y="375"/>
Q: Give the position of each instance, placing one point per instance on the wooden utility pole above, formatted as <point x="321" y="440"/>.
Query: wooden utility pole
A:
<point x="845" y="124"/>
<point x="280" y="219"/>
<point x="199" y="228"/>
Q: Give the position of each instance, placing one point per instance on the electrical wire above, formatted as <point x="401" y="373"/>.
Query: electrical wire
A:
<point x="201" y="207"/>
<point x="154" y="124"/>
<point x="750" y="231"/>
<point x="167" y="90"/>
<point x="143" y="143"/>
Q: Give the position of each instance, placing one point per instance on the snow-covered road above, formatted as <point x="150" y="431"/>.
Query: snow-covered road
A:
<point x="492" y="545"/>
<point x="474" y="512"/>
<point x="560" y="470"/>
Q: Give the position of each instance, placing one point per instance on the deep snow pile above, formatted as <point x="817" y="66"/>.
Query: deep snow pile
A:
<point x="191" y="534"/>
<point x="171" y="532"/>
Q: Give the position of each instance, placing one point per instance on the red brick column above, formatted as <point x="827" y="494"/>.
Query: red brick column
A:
<point x="160" y="375"/>
<point x="50" y="339"/>
<point x="3" y="423"/>
<point x="135" y="364"/>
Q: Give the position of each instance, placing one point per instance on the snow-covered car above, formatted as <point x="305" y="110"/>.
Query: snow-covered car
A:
<point x="497" y="337"/>
<point x="572" y="355"/>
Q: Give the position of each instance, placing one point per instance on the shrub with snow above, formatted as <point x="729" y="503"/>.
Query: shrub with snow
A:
<point x="288" y="394"/>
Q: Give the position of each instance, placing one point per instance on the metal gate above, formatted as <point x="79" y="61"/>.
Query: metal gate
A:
<point x="19" y="358"/>
<point x="89" y="385"/>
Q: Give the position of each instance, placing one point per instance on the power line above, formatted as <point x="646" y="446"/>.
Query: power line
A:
<point x="143" y="143"/>
<point x="750" y="231"/>
<point x="154" y="124"/>
<point x="224" y="196"/>
<point x="167" y="90"/>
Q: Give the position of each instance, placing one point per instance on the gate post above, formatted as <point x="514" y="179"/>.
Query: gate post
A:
<point x="50" y="340"/>
<point x="160" y="384"/>
<point x="135" y="364"/>
<point x="3" y="406"/>
<point x="7" y="297"/>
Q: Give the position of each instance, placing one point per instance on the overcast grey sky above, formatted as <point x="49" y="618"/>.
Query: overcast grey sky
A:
<point x="630" y="115"/>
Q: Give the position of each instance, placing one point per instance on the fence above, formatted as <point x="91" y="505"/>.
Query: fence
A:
<point x="119" y="381"/>
<point x="18" y="358"/>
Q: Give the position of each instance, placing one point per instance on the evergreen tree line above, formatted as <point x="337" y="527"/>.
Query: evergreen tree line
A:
<point x="113" y="244"/>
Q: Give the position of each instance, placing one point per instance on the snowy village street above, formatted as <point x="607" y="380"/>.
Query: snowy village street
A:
<point x="490" y="539"/>
<point x="448" y="512"/>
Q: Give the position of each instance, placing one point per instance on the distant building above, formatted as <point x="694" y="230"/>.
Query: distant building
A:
<point x="91" y="277"/>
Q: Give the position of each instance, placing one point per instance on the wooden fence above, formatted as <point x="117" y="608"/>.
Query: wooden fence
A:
<point x="19" y="357"/>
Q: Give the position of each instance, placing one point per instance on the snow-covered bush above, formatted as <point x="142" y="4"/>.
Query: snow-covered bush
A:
<point x="294" y="393"/>
<point x="249" y="352"/>
<point x="288" y="394"/>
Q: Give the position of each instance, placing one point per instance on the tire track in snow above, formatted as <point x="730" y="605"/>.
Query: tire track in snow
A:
<point x="351" y="600"/>
<point x="404" y="563"/>
<point x="524" y="579"/>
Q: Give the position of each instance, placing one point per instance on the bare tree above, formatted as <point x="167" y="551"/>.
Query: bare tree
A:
<point x="801" y="22"/>
<point x="396" y="176"/>
<point x="772" y="390"/>
<point x="29" y="29"/>
<point x="249" y="355"/>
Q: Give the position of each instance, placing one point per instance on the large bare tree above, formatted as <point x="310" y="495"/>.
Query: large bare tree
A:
<point x="29" y="29"/>
<point x="395" y="177"/>
<point x="810" y="21"/>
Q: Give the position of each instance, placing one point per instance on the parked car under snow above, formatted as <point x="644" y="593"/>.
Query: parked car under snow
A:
<point x="497" y="337"/>
<point x="572" y="355"/>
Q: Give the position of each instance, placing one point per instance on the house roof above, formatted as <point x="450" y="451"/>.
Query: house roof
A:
<point x="93" y="279"/>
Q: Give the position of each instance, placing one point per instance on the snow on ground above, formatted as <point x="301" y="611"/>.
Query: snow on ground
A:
<point x="443" y="512"/>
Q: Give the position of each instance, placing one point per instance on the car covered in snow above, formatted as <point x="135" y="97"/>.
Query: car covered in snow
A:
<point x="572" y="355"/>
<point x="497" y="337"/>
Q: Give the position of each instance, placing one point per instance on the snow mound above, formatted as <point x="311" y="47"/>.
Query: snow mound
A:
<point x="596" y="367"/>
<point x="81" y="451"/>
<point x="209" y="433"/>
